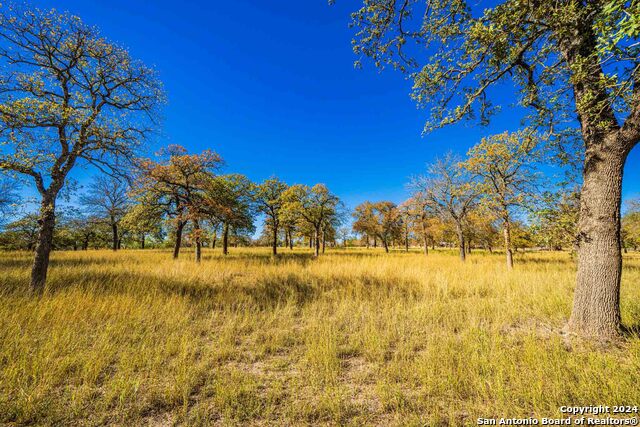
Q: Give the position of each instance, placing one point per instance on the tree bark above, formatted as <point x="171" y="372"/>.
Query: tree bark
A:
<point x="596" y="304"/>
<point x="386" y="246"/>
<point x="225" y="240"/>
<point x="463" y="255"/>
<point x="406" y="241"/>
<point x="426" y="244"/>
<point x="507" y="243"/>
<point x="178" y="242"/>
<point x="323" y="241"/>
<point x="198" y="241"/>
<point x="290" y="239"/>
<point x="316" y="251"/>
<point x="40" y="266"/>
<point x="114" y="231"/>
<point x="142" y="240"/>
<point x="274" y="247"/>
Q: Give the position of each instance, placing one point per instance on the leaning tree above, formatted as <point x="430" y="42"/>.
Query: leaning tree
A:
<point x="570" y="59"/>
<point x="67" y="96"/>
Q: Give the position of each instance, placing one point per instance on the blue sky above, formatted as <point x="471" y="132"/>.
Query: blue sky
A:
<point x="270" y="85"/>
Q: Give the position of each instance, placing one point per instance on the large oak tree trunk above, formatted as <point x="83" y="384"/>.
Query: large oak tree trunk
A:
<point x="47" y="222"/>
<point x="596" y="309"/>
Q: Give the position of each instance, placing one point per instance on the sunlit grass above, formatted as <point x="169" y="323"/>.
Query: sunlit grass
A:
<point x="355" y="337"/>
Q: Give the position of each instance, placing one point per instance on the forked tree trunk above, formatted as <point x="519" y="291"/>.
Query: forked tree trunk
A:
<point x="47" y="222"/>
<point x="178" y="242"/>
<point x="225" y="240"/>
<point x="596" y="304"/>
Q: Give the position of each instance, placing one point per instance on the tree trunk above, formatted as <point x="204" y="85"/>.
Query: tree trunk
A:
<point x="461" y="242"/>
<point x="426" y="244"/>
<point x="198" y="241"/>
<point x="324" y="242"/>
<point x="225" y="240"/>
<point x="406" y="241"/>
<point x="386" y="246"/>
<point x="290" y="239"/>
<point x="114" y="231"/>
<point x="47" y="222"/>
<point x="317" y="242"/>
<point x="215" y="238"/>
<point x="275" y="239"/>
<point x="178" y="243"/>
<point x="596" y="303"/>
<point x="507" y="243"/>
<point x="142" y="239"/>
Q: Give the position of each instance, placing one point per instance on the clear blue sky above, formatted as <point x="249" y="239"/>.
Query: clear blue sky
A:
<point x="270" y="85"/>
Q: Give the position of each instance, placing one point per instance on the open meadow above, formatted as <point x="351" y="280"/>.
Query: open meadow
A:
<point x="354" y="337"/>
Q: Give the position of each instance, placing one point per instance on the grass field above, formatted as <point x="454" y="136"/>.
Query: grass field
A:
<point x="356" y="337"/>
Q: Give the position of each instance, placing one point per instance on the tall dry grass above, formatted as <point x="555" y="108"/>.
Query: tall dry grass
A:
<point x="355" y="337"/>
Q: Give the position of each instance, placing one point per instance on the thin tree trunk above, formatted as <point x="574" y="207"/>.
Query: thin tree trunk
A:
<point x="225" y="240"/>
<point x="274" y="247"/>
<point x="317" y="242"/>
<point x="178" y="242"/>
<point x="196" y="231"/>
<point x="142" y="239"/>
<point x="323" y="241"/>
<point x="40" y="266"/>
<point x="215" y="238"/>
<point x="596" y="304"/>
<point x="461" y="244"/>
<point x="386" y="246"/>
<point x="507" y="242"/>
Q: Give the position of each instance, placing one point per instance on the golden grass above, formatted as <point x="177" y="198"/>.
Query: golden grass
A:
<point x="356" y="337"/>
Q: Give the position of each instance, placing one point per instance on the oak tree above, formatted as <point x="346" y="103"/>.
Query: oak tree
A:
<point x="67" y="96"/>
<point x="570" y="60"/>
